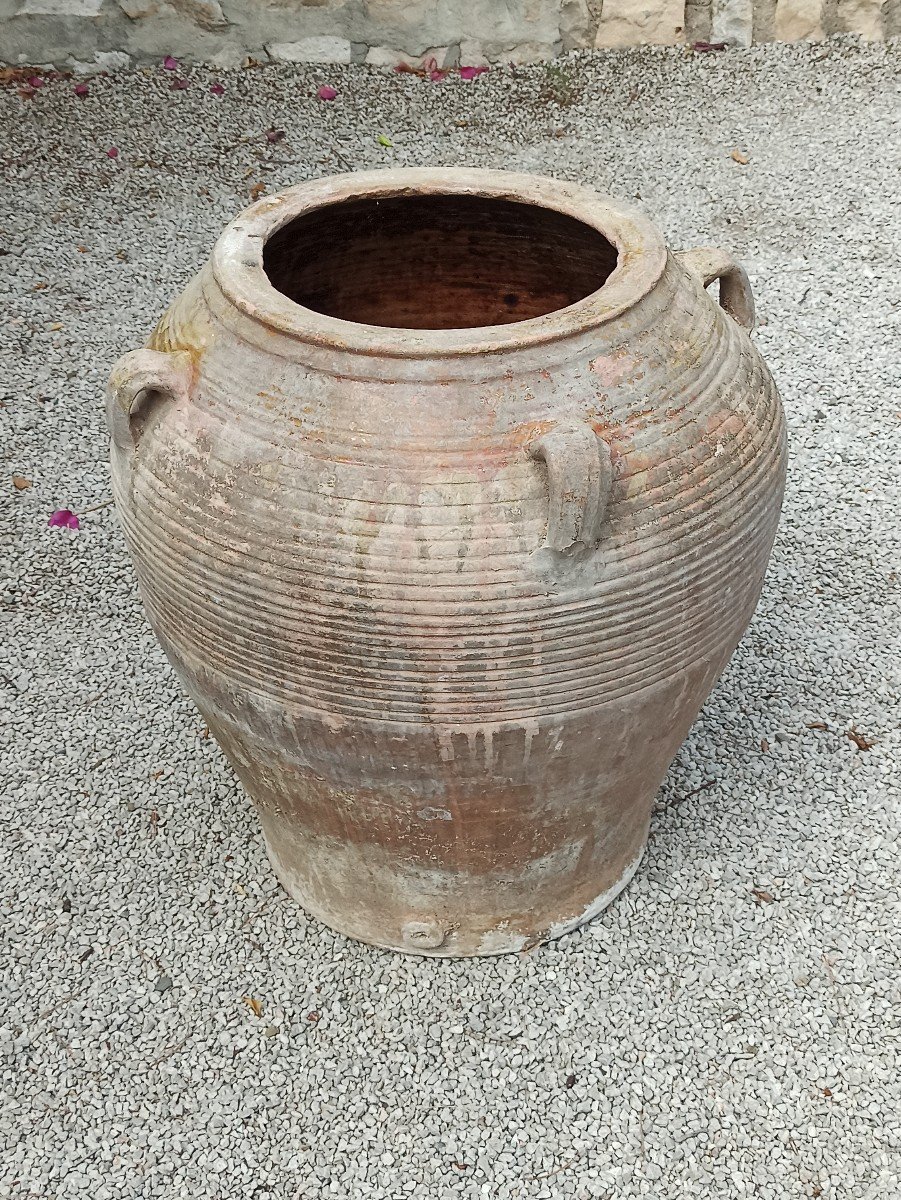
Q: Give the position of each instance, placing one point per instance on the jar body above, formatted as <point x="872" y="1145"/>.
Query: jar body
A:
<point x="453" y="720"/>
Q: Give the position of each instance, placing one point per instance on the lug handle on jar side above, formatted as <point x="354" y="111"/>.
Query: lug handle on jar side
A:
<point x="141" y="380"/>
<point x="579" y="478"/>
<point x="736" y="297"/>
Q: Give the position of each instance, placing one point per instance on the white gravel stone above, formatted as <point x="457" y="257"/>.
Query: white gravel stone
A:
<point x="731" y="1022"/>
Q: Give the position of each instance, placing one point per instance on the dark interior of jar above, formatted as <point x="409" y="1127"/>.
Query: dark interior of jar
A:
<point x="437" y="262"/>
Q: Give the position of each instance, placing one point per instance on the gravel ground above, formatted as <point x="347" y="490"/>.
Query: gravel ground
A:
<point x="171" y="1025"/>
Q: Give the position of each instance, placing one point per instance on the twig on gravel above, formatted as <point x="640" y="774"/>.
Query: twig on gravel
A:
<point x="168" y="1053"/>
<point x="341" y="159"/>
<point x="48" y="1012"/>
<point x="708" y="783"/>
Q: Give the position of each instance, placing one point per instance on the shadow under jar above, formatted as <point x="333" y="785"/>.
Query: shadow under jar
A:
<point x="450" y="494"/>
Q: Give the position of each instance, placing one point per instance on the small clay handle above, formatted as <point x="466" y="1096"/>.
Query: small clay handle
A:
<point x="139" y="381"/>
<point x="579" y="477"/>
<point x="736" y="296"/>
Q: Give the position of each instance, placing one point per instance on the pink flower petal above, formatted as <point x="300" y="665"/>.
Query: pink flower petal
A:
<point x="63" y="518"/>
<point x="170" y="63"/>
<point x="436" y="76"/>
<point x="471" y="72"/>
<point x="217" y="89"/>
<point x="81" y="89"/>
<point x="36" y="82"/>
<point x="113" y="152"/>
<point x="326" y="92"/>
<point x="178" y="85"/>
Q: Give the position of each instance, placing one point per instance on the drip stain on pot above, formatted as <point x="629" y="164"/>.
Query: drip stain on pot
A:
<point x="437" y="261"/>
<point x="444" y="628"/>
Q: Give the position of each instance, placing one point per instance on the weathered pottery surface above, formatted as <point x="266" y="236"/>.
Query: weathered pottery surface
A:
<point x="450" y="494"/>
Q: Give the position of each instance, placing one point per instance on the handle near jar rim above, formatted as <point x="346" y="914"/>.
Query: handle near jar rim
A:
<point x="709" y="264"/>
<point x="579" y="479"/>
<point x="139" y="381"/>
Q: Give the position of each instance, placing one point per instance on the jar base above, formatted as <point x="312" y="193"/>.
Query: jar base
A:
<point x="425" y="939"/>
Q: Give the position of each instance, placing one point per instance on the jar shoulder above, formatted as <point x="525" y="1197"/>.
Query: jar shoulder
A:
<point x="676" y="351"/>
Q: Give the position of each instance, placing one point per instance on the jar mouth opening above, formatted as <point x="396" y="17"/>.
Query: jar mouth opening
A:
<point x="419" y="263"/>
<point x="441" y="261"/>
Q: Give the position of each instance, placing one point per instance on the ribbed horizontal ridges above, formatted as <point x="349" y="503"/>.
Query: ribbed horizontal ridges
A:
<point x="367" y="571"/>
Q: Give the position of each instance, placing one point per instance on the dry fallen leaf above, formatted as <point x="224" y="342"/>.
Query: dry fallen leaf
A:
<point x="258" y="189"/>
<point x="764" y="745"/>
<point x="255" y="1006"/>
<point x="55" y="327"/>
<point x="15" y="74"/>
<point x="861" y="742"/>
<point x="739" y="156"/>
<point x="20" y="483"/>
<point x="818" y="725"/>
<point x="761" y="896"/>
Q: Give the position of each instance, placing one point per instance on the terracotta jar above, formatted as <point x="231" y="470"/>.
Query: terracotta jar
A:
<point x="450" y="494"/>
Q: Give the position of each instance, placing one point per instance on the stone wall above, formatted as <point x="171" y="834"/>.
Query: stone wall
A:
<point x="86" y="34"/>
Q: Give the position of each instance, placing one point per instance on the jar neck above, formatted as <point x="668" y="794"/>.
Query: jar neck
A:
<point x="240" y="275"/>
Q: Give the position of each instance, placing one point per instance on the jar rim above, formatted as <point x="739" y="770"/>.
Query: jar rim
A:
<point x="237" y="261"/>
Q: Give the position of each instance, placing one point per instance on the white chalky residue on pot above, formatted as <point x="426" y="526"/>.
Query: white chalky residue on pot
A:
<point x="702" y="1027"/>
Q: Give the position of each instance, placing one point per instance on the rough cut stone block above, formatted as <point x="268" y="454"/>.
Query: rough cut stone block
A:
<point x="400" y="12"/>
<point x="641" y="22"/>
<point x="112" y="60"/>
<point x="229" y="57"/>
<point x="207" y="14"/>
<point x="698" y="20"/>
<point x="105" y="60"/>
<point x="733" y="22"/>
<point x="527" y="52"/>
<point x="577" y="24"/>
<point x="385" y="56"/>
<point x="61" y="8"/>
<point x="472" y="53"/>
<point x="137" y="10"/>
<point x="800" y="20"/>
<point x="311" y="50"/>
<point x="863" y="17"/>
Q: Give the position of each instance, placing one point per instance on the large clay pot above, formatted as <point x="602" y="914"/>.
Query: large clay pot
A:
<point x="450" y="494"/>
